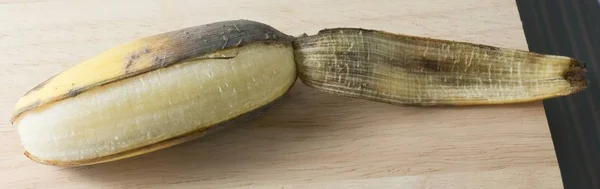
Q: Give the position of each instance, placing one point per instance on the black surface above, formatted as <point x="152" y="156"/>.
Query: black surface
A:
<point x="570" y="28"/>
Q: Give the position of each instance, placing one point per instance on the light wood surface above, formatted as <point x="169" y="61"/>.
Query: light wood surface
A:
<point x="309" y="139"/>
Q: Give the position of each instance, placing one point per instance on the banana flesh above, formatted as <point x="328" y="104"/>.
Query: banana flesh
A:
<point x="125" y="116"/>
<point x="170" y="88"/>
<point x="408" y="70"/>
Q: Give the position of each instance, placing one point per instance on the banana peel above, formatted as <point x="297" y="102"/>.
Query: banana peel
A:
<point x="166" y="89"/>
<point x="410" y="70"/>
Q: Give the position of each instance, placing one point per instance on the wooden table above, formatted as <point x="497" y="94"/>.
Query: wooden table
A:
<point x="309" y="139"/>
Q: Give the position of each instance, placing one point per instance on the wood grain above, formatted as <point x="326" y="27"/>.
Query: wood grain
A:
<point x="310" y="138"/>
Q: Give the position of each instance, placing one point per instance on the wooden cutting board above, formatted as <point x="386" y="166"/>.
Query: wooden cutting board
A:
<point x="309" y="139"/>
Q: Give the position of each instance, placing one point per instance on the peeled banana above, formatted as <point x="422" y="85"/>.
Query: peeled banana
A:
<point x="166" y="89"/>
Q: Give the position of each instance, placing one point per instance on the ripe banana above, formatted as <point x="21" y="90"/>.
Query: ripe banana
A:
<point x="166" y="89"/>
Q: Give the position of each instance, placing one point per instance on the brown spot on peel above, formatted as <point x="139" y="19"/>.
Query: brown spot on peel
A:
<point x="159" y="61"/>
<point x="134" y="56"/>
<point x="74" y="92"/>
<point x="39" y="86"/>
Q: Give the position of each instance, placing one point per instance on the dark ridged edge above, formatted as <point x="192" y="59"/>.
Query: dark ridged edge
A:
<point x="570" y="28"/>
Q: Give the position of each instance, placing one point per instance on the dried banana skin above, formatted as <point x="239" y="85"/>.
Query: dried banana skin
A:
<point x="409" y="70"/>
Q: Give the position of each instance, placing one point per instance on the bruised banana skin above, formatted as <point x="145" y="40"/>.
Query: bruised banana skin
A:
<point x="170" y="88"/>
<point x="155" y="92"/>
<point x="409" y="70"/>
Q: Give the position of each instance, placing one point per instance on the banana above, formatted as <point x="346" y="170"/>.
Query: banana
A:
<point x="155" y="92"/>
<point x="166" y="89"/>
